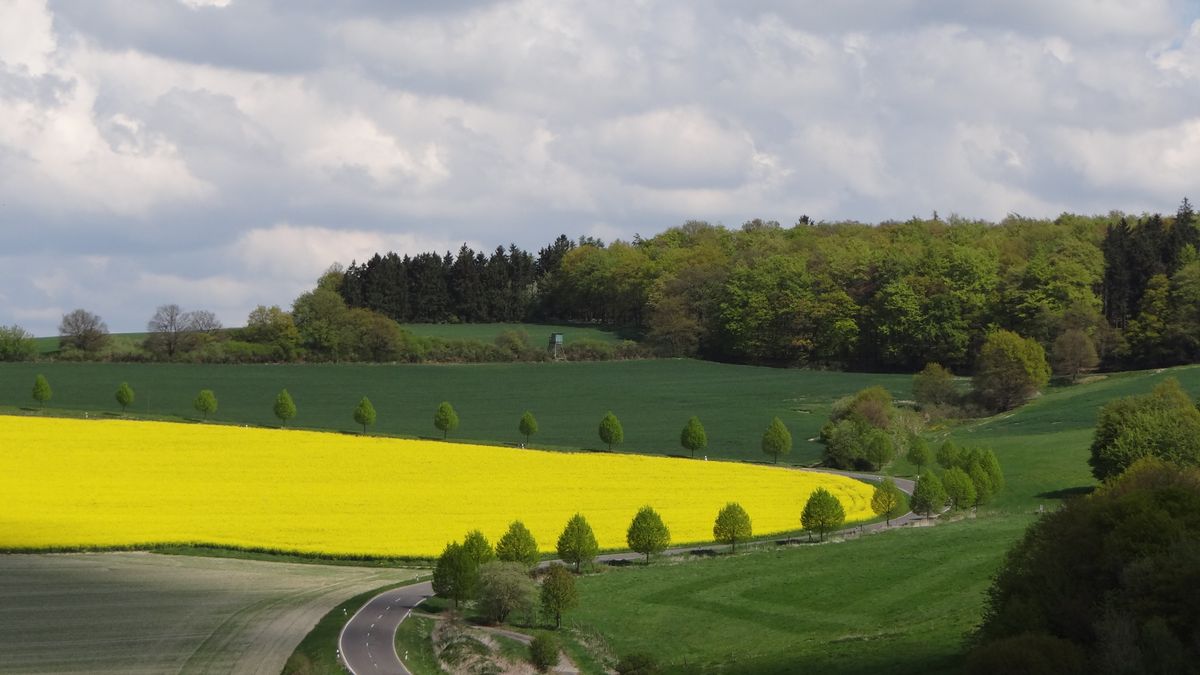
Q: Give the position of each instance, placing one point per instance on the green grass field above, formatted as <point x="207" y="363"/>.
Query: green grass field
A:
<point x="146" y="613"/>
<point x="897" y="602"/>
<point x="653" y="398"/>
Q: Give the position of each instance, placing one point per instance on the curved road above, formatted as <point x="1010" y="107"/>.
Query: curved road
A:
<point x="368" y="641"/>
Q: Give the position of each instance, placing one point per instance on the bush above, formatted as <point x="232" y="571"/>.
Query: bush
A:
<point x="934" y="386"/>
<point x="1028" y="654"/>
<point x="588" y="350"/>
<point x="16" y="344"/>
<point x="1164" y="423"/>
<point x="543" y="652"/>
<point x="1116" y="573"/>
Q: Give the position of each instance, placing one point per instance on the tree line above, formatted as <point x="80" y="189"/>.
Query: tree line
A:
<point x="888" y="297"/>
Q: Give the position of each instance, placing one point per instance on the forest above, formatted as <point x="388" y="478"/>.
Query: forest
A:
<point x="844" y="295"/>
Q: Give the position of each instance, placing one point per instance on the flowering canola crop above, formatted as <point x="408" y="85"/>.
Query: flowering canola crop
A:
<point x="77" y="483"/>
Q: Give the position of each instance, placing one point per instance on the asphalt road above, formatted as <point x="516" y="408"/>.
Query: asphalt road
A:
<point x="368" y="641"/>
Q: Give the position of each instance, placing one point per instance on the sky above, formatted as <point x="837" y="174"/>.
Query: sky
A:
<point x="219" y="154"/>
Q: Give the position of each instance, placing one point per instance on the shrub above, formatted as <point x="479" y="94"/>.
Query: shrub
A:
<point x="1164" y="423"/>
<point x="934" y="386"/>
<point x="16" y="344"/>
<point x="588" y="350"/>
<point x="543" y="652"/>
<point x="638" y="663"/>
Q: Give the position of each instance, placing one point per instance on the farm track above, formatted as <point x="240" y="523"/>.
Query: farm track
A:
<point x="367" y="643"/>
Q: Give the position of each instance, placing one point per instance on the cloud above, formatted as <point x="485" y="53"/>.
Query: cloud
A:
<point x="224" y="153"/>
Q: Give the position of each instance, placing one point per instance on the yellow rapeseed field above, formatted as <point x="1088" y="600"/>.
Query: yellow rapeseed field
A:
<point x="111" y="482"/>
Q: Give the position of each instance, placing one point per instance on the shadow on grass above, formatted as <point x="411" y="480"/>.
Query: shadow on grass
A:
<point x="1067" y="493"/>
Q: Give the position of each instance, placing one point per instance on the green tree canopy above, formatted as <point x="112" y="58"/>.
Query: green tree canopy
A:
<point x="445" y="419"/>
<point x="41" y="390"/>
<point x="934" y="386"/>
<point x="205" y="403"/>
<point x="878" y="449"/>
<point x="518" y="545"/>
<point x="528" y="425"/>
<point x="1114" y="573"/>
<point x="504" y="588"/>
<point x="1164" y="423"/>
<point x="693" y="437"/>
<point x="611" y="432"/>
<point x="1073" y="352"/>
<point x="577" y="543"/>
<point x="960" y="490"/>
<point x="732" y="525"/>
<point x="558" y="593"/>
<point x="364" y="413"/>
<point x="455" y="574"/>
<point x="777" y="440"/>
<point x="285" y="407"/>
<point x="887" y="500"/>
<point x="82" y="330"/>
<point x="124" y="396"/>
<point x="928" y="496"/>
<point x="478" y="548"/>
<point x="823" y="513"/>
<point x="1010" y="370"/>
<point x="16" y="344"/>
<point x="919" y="454"/>
<point x="647" y="533"/>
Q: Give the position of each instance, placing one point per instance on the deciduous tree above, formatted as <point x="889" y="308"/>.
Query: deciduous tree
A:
<point x="1164" y="423"/>
<point x="928" y="496"/>
<point x="777" y="440"/>
<point x="205" y="403"/>
<point x="577" y="543"/>
<point x="887" y="500"/>
<point x="285" y="407"/>
<point x="960" y="490"/>
<point x="611" y="432"/>
<point x="124" y="396"/>
<point x="823" y="513"/>
<point x="16" y="344"/>
<point x="647" y="533"/>
<point x="919" y="454"/>
<point x="478" y="547"/>
<point x="445" y="419"/>
<point x="518" y="545"/>
<point x="41" y="390"/>
<point x="80" y="329"/>
<point x="558" y="593"/>
<point x="933" y="386"/>
<point x="1073" y="352"/>
<point x="456" y="574"/>
<point x="732" y="525"/>
<point x="693" y="437"/>
<point x="1010" y="370"/>
<point x="504" y="588"/>
<point x="364" y="413"/>
<point x="528" y="425"/>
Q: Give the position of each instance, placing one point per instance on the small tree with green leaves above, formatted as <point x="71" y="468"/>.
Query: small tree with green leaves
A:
<point x="934" y="386"/>
<point x="948" y="454"/>
<point x="777" y="440"/>
<point x="928" y="496"/>
<point x="543" y="652"/>
<point x="445" y="419"/>
<point x="455" y="574"/>
<point x="364" y="414"/>
<point x="647" y="533"/>
<point x="823" y="513"/>
<point x="919" y="454"/>
<point x="518" y="545"/>
<point x="693" y="437"/>
<point x="285" y="407"/>
<point x="611" y="431"/>
<point x="878" y="448"/>
<point x="528" y="425"/>
<point x="558" y="593"/>
<point x="982" y="482"/>
<point x="41" y="390"/>
<point x="504" y="588"/>
<point x="960" y="491"/>
<point x="992" y="466"/>
<point x="124" y="396"/>
<point x="478" y="547"/>
<point x="732" y="525"/>
<point x="887" y="500"/>
<point x="205" y="403"/>
<point x="577" y="543"/>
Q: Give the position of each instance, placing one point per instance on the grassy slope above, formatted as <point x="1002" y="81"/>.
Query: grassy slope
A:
<point x="653" y="398"/>
<point x="137" y="612"/>
<point x="896" y="602"/>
